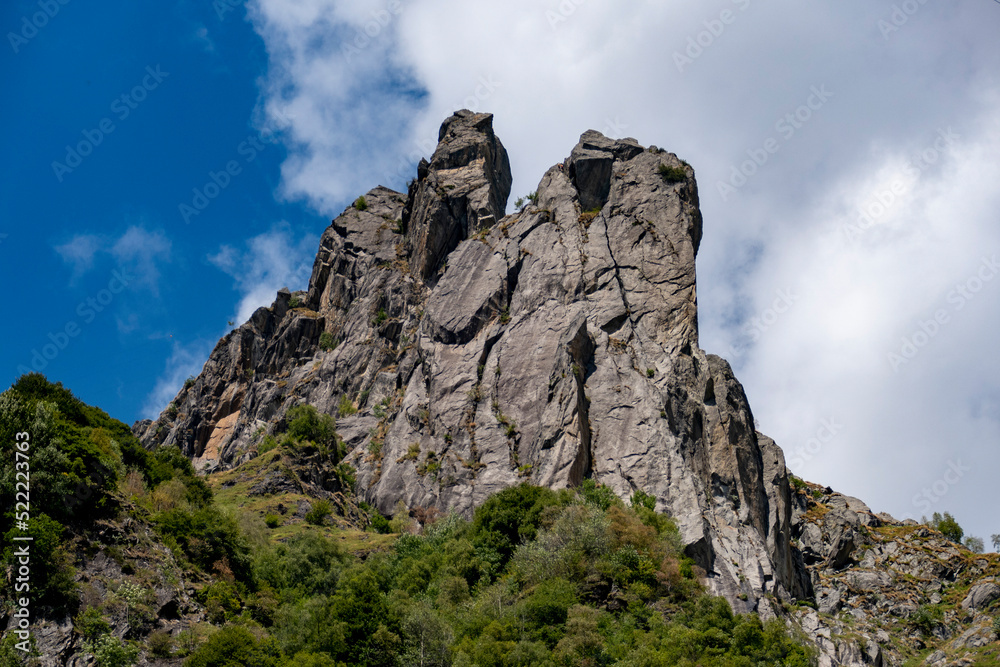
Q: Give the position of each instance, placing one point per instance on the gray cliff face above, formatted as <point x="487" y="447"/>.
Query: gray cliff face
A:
<point x="483" y="350"/>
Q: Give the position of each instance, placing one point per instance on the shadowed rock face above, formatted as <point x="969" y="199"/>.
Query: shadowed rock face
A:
<point x="462" y="190"/>
<point x="482" y="350"/>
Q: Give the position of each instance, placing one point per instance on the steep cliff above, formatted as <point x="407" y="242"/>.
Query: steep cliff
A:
<point x="552" y="345"/>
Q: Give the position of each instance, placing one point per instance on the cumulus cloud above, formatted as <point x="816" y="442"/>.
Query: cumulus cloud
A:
<point x="267" y="263"/>
<point x="335" y="90"/>
<point x="79" y="253"/>
<point x="797" y="118"/>
<point x="185" y="361"/>
<point x="138" y="251"/>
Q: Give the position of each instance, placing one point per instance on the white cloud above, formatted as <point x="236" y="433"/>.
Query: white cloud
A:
<point x="337" y="92"/>
<point x="202" y="38"/>
<point x="184" y="362"/>
<point x="353" y="122"/>
<point x="269" y="262"/>
<point x="138" y="251"/>
<point x="141" y="251"/>
<point x="79" y="253"/>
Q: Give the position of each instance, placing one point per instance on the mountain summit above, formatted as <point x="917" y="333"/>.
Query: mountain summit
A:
<point x="482" y="350"/>
<point x="463" y="351"/>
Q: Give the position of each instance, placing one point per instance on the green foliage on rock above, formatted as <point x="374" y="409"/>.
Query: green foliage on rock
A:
<point x="306" y="423"/>
<point x="671" y="174"/>
<point x="318" y="512"/>
<point x="948" y="526"/>
<point x="109" y="651"/>
<point x="209" y="538"/>
<point x="236" y="646"/>
<point x="327" y="343"/>
<point x="79" y="457"/>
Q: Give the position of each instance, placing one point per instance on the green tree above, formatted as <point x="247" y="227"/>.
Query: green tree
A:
<point x="236" y="646"/>
<point x="109" y="651"/>
<point x="427" y="637"/>
<point x="948" y="526"/>
<point x="974" y="544"/>
<point x="306" y="423"/>
<point x="512" y="517"/>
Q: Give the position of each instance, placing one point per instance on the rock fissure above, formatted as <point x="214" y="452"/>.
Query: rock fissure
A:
<point x="511" y="365"/>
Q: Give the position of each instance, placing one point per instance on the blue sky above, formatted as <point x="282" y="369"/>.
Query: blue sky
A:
<point x="845" y="154"/>
<point x="190" y="86"/>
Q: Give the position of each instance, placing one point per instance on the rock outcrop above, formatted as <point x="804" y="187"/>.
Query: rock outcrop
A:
<point x="482" y="350"/>
<point x="888" y="590"/>
<point x="464" y="351"/>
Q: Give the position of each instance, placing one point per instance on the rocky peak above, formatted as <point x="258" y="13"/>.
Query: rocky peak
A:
<point x="463" y="351"/>
<point x="462" y="190"/>
<point x="482" y="350"/>
<point x="589" y="166"/>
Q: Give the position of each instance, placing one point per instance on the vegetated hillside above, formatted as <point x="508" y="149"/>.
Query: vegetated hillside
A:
<point x="138" y="562"/>
<point x="146" y="564"/>
<point x="476" y="439"/>
<point x="114" y="552"/>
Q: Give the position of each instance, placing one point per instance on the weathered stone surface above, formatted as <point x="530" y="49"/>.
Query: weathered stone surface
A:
<point x="981" y="596"/>
<point x="462" y="190"/>
<point x="552" y="345"/>
<point x="557" y="344"/>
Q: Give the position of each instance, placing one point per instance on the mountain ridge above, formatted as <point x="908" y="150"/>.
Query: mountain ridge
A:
<point x="464" y="351"/>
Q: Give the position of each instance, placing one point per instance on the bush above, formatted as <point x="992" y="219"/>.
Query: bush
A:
<point x="602" y="496"/>
<point x="361" y="203"/>
<point x="91" y="624"/>
<point x="642" y="499"/>
<point x="318" y="513"/>
<point x="267" y="444"/>
<point x="221" y="600"/>
<point x="235" y="645"/>
<point x="671" y="174"/>
<point x="345" y="407"/>
<point x="380" y="524"/>
<point x="327" y="342"/>
<point x="161" y="644"/>
<point x="272" y="520"/>
<point x="346" y="476"/>
<point x="926" y="618"/>
<point x="109" y="651"/>
<point x="307" y="659"/>
<point x="306" y="423"/>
